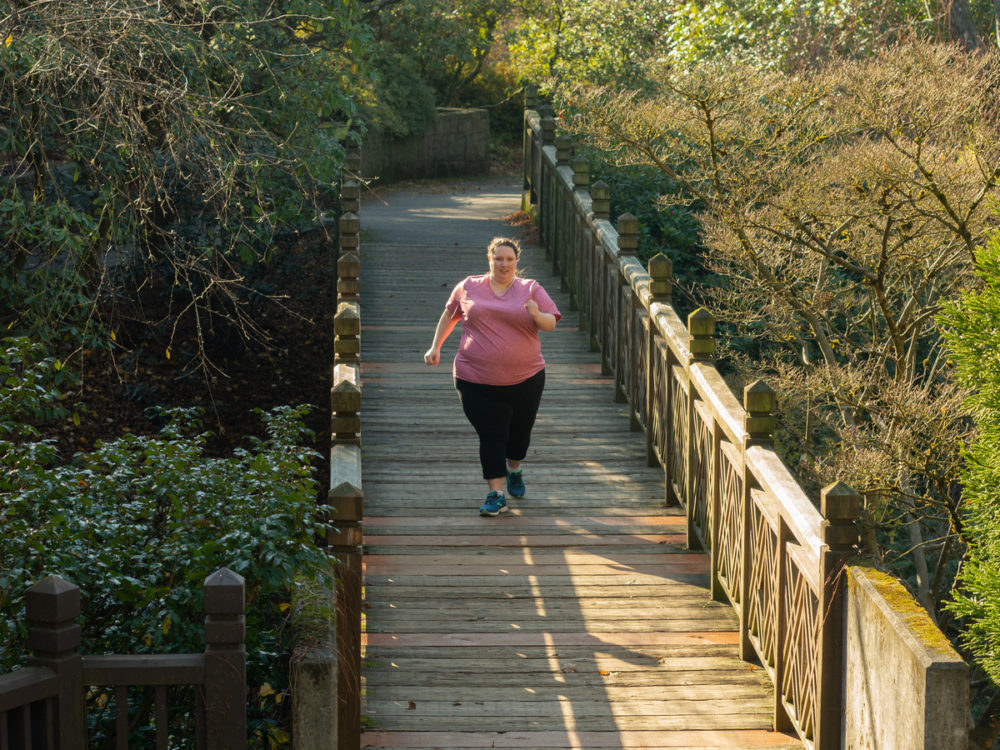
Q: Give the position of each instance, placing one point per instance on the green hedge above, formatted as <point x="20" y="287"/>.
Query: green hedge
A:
<point x="139" y="522"/>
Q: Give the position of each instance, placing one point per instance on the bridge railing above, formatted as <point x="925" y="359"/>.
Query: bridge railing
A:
<point x="775" y="557"/>
<point x="345" y="501"/>
<point x="42" y="707"/>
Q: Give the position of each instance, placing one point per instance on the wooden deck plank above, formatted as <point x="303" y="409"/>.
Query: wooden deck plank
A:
<point x="576" y="620"/>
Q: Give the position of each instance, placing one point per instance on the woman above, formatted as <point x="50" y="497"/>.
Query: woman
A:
<point x="499" y="370"/>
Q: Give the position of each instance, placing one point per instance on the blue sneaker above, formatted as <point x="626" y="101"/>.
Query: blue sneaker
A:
<point x="495" y="504"/>
<point x="515" y="483"/>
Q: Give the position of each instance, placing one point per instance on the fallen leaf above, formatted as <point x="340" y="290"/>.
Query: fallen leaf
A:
<point x="412" y="706"/>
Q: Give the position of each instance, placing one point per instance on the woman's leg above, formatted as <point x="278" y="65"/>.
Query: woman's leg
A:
<point x="490" y="417"/>
<point x="524" y="399"/>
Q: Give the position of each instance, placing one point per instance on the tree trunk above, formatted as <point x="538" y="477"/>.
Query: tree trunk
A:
<point x="996" y="21"/>
<point x="963" y="28"/>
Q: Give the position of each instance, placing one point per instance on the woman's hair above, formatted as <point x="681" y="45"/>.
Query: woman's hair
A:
<point x="500" y="242"/>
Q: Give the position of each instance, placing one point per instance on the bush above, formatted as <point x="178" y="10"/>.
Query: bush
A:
<point x="671" y="230"/>
<point x="973" y="340"/>
<point x="139" y="523"/>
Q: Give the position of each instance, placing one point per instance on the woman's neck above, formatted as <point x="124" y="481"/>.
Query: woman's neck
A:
<point x="499" y="285"/>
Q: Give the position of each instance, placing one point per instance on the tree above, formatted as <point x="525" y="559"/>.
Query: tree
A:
<point x="175" y="140"/>
<point x="841" y="207"/>
<point x="586" y="40"/>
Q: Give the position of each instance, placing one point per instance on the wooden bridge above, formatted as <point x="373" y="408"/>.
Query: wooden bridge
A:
<point x="577" y="620"/>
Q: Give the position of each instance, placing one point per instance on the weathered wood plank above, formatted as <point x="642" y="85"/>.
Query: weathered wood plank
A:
<point x="576" y="620"/>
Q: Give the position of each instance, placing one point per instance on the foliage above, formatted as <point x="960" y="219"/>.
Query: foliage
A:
<point x="841" y="206"/>
<point x="592" y="41"/>
<point x="167" y="141"/>
<point x="973" y="336"/>
<point x="138" y="523"/>
<point x="673" y="230"/>
<point x="784" y="34"/>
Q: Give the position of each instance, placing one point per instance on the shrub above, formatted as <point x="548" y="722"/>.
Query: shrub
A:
<point x="973" y="337"/>
<point x="139" y="522"/>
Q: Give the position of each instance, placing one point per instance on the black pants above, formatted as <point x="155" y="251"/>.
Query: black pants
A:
<point x="503" y="416"/>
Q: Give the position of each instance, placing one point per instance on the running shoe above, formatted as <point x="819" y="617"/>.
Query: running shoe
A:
<point x="515" y="483"/>
<point x="495" y="504"/>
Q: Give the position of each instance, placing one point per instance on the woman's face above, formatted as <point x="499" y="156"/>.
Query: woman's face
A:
<point x="503" y="264"/>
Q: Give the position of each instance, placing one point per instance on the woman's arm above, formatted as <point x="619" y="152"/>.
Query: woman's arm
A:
<point x="545" y="321"/>
<point x="446" y="324"/>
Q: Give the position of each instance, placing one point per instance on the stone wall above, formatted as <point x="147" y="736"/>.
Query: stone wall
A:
<point x="906" y="687"/>
<point x="457" y="144"/>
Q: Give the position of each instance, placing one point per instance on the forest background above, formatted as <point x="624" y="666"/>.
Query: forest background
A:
<point x="823" y="175"/>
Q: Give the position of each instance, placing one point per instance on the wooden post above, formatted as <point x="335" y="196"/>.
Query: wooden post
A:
<point x="225" y="661"/>
<point x="628" y="241"/>
<point x="840" y="506"/>
<point x="701" y="329"/>
<point x="530" y="96"/>
<point x="352" y="162"/>
<point x="564" y="150"/>
<point x="581" y="172"/>
<point x="759" y="401"/>
<point x="344" y="540"/>
<point x="347" y="331"/>
<point x="548" y="124"/>
<point x="350" y="228"/>
<point x="600" y="197"/>
<point x="660" y="273"/>
<point x="628" y="234"/>
<point x="52" y="606"/>
<point x="345" y="408"/>
<point x="350" y="197"/>
<point x="528" y="196"/>
<point x="348" y="277"/>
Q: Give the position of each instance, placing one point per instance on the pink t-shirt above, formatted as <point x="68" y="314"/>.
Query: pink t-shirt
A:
<point x="499" y="344"/>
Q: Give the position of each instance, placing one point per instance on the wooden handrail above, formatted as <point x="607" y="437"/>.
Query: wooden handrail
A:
<point x="344" y="510"/>
<point x="47" y="698"/>
<point x="764" y="535"/>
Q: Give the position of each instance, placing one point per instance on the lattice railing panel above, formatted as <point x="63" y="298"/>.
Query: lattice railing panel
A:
<point x="762" y="606"/>
<point x="730" y="543"/>
<point x="678" y="433"/>
<point x="800" y="648"/>
<point x="701" y="471"/>
<point x="640" y="346"/>
<point x="623" y="340"/>
<point x="657" y="425"/>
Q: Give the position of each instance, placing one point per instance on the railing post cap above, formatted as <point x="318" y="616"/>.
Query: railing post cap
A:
<point x="840" y="502"/>
<point x="345" y="489"/>
<point x="52" y="600"/>
<point x="660" y="265"/>
<point x="348" y="310"/>
<point x="701" y="323"/>
<point x="628" y="224"/>
<point x="759" y="398"/>
<point x="580" y="163"/>
<point x="224" y="593"/>
<point x="600" y="188"/>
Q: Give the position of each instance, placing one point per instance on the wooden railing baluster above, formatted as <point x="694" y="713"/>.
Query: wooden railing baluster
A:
<point x="121" y="717"/>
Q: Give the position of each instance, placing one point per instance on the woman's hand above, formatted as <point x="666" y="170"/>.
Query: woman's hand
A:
<point x="432" y="357"/>
<point x="545" y="321"/>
